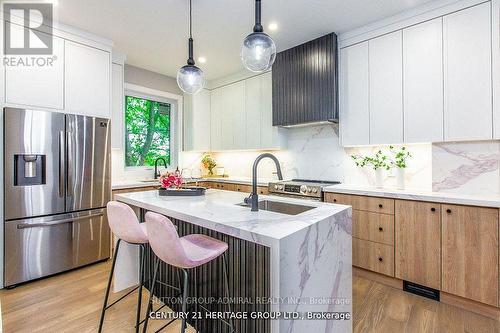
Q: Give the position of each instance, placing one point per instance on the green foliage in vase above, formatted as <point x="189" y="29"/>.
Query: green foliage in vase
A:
<point x="399" y="157"/>
<point x="147" y="131"/>
<point x="209" y="163"/>
<point x="377" y="161"/>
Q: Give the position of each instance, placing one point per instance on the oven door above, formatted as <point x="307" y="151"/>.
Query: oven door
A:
<point x="43" y="246"/>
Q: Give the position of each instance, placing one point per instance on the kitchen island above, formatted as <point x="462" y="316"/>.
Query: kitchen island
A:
<point x="278" y="262"/>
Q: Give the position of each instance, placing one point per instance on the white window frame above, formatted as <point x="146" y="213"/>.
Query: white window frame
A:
<point x="176" y="108"/>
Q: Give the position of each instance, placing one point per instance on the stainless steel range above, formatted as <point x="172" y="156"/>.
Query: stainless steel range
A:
<point x="304" y="188"/>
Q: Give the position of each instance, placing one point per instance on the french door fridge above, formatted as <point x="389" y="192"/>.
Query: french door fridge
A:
<point x="56" y="187"/>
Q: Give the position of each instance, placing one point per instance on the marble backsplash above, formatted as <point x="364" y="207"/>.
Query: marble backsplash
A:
<point x="466" y="167"/>
<point x="314" y="152"/>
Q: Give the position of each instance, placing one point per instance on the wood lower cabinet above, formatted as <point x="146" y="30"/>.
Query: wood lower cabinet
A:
<point x="451" y="248"/>
<point x="418" y="243"/>
<point x="373" y="256"/>
<point x="234" y="187"/>
<point x="470" y="252"/>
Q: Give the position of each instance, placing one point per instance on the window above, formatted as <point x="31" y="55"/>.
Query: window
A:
<point x="147" y="131"/>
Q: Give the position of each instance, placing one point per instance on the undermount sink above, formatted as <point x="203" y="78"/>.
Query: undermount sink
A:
<point x="281" y="207"/>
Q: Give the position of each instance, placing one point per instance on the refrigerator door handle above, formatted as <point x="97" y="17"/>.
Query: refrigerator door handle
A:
<point x="62" y="221"/>
<point x="62" y="163"/>
<point x="69" y="142"/>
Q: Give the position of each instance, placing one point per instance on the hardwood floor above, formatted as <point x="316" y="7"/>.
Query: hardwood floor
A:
<point x="71" y="302"/>
<point x="379" y="308"/>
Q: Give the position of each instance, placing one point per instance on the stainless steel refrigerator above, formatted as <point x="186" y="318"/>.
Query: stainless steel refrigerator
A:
<point x="56" y="187"/>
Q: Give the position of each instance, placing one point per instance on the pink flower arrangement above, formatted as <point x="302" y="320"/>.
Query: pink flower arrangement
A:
<point x="171" y="179"/>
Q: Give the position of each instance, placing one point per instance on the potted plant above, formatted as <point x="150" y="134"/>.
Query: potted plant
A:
<point x="209" y="163"/>
<point x="171" y="180"/>
<point x="400" y="158"/>
<point x="379" y="162"/>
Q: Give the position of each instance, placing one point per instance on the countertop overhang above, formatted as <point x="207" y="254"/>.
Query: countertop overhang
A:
<point x="218" y="210"/>
<point x="417" y="195"/>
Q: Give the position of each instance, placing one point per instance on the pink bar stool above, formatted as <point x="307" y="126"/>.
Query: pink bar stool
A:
<point x="186" y="252"/>
<point x="126" y="227"/>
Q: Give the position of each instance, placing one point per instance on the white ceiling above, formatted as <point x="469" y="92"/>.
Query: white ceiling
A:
<point x="153" y="33"/>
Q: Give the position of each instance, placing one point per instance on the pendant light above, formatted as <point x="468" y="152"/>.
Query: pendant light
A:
<point x="189" y="77"/>
<point x="258" y="51"/>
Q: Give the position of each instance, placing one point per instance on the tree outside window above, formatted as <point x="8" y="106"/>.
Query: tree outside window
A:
<point x="147" y="131"/>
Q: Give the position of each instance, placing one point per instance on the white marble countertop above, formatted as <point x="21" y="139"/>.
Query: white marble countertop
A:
<point x="123" y="184"/>
<point x="441" y="197"/>
<point x="218" y="210"/>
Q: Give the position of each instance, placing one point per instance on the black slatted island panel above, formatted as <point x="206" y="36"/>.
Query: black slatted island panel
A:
<point x="249" y="279"/>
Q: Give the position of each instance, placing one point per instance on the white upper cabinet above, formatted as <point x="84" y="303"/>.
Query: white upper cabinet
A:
<point x="254" y="111"/>
<point x="467" y="74"/>
<point x="233" y="116"/>
<point x="423" y="82"/>
<point x="87" y="78"/>
<point x="386" y="89"/>
<point x="118" y="107"/>
<point x="37" y="86"/>
<point x="215" y="120"/>
<point x="354" y="95"/>
<point x="241" y="116"/>
<point x="271" y="137"/>
<point x="197" y="121"/>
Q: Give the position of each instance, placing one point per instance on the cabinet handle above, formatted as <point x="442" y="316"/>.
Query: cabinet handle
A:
<point x="380" y="205"/>
<point x="433" y="209"/>
<point x="380" y="229"/>
<point x="380" y="259"/>
<point x="448" y="211"/>
<point x="334" y="200"/>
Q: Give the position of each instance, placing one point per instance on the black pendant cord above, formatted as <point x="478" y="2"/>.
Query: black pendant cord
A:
<point x="190" y="60"/>
<point x="258" y="25"/>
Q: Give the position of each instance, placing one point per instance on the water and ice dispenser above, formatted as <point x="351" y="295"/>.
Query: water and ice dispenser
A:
<point x="29" y="170"/>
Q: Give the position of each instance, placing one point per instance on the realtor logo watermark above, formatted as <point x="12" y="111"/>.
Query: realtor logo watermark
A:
<point x="27" y="36"/>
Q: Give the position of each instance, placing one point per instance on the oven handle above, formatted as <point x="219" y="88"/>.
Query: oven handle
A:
<point x="53" y="223"/>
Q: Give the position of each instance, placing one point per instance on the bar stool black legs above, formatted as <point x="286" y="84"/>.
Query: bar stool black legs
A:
<point x="185" y="294"/>
<point x="139" y="287"/>
<point x="150" y="300"/>
<point x="184" y="299"/>
<point x="226" y="290"/>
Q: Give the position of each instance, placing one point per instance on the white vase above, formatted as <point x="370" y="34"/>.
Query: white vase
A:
<point x="400" y="178"/>
<point x="379" y="178"/>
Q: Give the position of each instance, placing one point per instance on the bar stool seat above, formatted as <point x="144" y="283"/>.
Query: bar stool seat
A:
<point x="201" y="249"/>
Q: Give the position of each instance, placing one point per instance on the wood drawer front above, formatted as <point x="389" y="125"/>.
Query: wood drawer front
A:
<point x="373" y="256"/>
<point x="373" y="226"/>
<point x="358" y="202"/>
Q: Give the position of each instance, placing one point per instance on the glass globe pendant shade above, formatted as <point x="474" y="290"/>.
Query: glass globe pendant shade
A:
<point x="190" y="79"/>
<point x="258" y="52"/>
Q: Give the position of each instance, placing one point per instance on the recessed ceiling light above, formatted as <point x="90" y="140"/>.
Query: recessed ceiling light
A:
<point x="273" y="26"/>
<point x="202" y="60"/>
